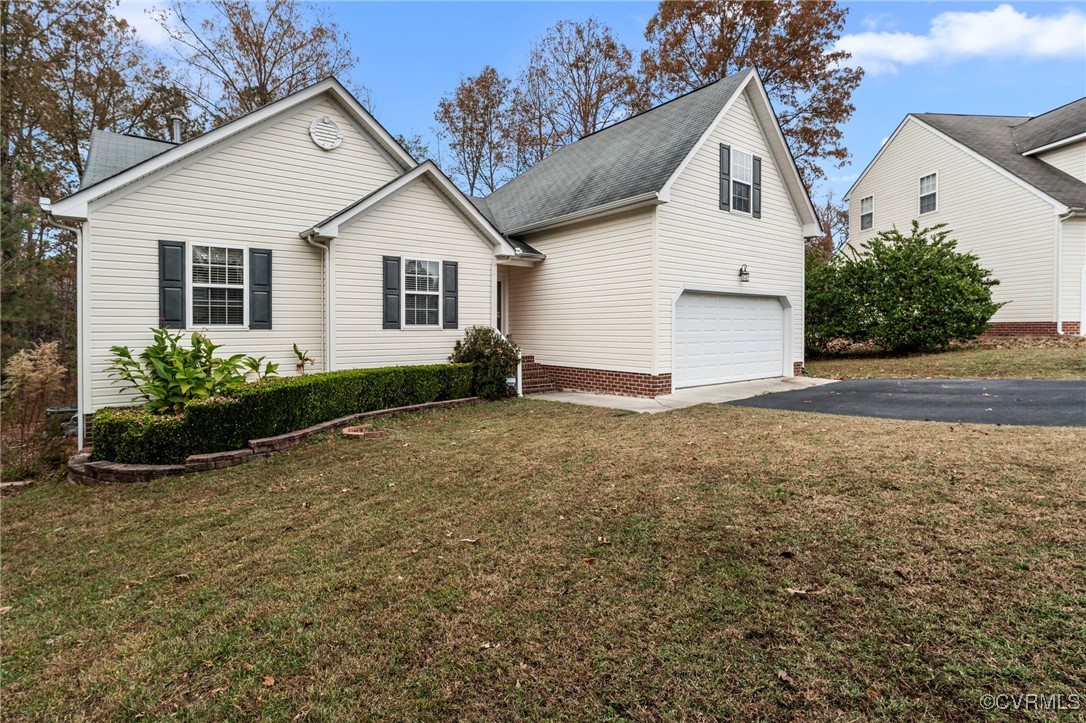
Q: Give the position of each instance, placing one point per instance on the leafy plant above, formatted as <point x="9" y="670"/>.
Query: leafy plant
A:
<point x="167" y="375"/>
<point x="493" y="358"/>
<point x="303" y="359"/>
<point x="901" y="293"/>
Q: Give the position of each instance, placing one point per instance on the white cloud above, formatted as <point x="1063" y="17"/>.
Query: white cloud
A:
<point x="137" y="14"/>
<point x="1000" y="33"/>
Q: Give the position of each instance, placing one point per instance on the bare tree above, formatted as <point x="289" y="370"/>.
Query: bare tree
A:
<point x="473" y="122"/>
<point x="246" y="55"/>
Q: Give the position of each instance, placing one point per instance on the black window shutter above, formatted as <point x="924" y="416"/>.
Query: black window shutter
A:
<point x="450" y="291"/>
<point x="260" y="289"/>
<point x="392" y="292"/>
<point x="171" y="284"/>
<point x="756" y="191"/>
<point x="725" y="177"/>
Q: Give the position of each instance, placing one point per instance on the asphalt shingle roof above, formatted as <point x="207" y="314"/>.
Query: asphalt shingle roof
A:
<point x="111" y="153"/>
<point x="1055" y="125"/>
<point x="623" y="161"/>
<point x="993" y="138"/>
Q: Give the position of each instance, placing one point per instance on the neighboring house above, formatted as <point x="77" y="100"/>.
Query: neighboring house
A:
<point x="614" y="263"/>
<point x="1011" y="190"/>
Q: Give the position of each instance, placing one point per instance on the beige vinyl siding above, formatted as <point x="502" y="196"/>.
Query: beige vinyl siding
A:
<point x="1010" y="228"/>
<point x="701" y="245"/>
<point x="1074" y="269"/>
<point x="415" y="223"/>
<point x="259" y="191"/>
<point x="1070" y="159"/>
<point x="589" y="303"/>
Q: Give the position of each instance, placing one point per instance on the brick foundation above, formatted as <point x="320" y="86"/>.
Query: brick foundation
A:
<point x="1029" y="328"/>
<point x="546" y="377"/>
<point x="797" y="369"/>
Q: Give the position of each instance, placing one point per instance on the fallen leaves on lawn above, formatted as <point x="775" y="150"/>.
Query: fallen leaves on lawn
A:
<point x="247" y="666"/>
<point x="269" y="681"/>
<point x="784" y="677"/>
<point x="603" y="541"/>
<point x="5" y="609"/>
<point x="470" y="540"/>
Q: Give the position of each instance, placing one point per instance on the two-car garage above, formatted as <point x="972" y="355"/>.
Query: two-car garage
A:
<point x="724" y="337"/>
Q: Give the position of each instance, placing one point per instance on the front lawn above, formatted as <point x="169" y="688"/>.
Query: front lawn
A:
<point x="1038" y="358"/>
<point x="538" y="560"/>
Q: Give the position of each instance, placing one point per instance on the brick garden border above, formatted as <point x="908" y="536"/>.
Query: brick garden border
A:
<point x="82" y="471"/>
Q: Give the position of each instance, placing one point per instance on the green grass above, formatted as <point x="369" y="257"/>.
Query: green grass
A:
<point x="1009" y="359"/>
<point x="623" y="567"/>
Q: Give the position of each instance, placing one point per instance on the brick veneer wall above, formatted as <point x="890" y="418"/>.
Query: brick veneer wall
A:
<point x="1029" y="328"/>
<point x="547" y="377"/>
<point x="797" y="369"/>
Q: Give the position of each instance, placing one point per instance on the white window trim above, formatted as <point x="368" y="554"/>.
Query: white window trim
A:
<point x="440" y="293"/>
<point x="872" y="212"/>
<point x="920" y="195"/>
<point x="732" y="182"/>
<point x="189" y="325"/>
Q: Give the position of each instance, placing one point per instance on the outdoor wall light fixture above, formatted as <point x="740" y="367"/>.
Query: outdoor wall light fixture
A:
<point x="744" y="275"/>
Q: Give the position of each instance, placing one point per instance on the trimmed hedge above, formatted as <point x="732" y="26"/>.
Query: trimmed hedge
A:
<point x="276" y="406"/>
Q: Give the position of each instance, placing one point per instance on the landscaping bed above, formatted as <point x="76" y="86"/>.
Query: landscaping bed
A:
<point x="271" y="408"/>
<point x="533" y="560"/>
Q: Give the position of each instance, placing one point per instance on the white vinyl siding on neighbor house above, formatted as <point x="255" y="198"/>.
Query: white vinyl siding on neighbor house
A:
<point x="702" y="247"/>
<point x="1009" y="227"/>
<point x="589" y="304"/>
<point x="1070" y="159"/>
<point x="414" y="224"/>
<point x="259" y="191"/>
<point x="1074" y="271"/>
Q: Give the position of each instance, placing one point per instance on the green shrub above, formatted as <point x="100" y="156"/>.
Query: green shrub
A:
<point x="900" y="293"/>
<point x="267" y="409"/>
<point x="493" y="359"/>
<point x="168" y="375"/>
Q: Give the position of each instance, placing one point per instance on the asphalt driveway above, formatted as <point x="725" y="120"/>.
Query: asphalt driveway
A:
<point x="984" y="401"/>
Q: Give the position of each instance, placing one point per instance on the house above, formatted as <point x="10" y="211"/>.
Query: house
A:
<point x="614" y="264"/>
<point x="1011" y="190"/>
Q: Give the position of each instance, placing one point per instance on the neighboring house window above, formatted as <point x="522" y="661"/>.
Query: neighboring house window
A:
<point x="929" y="191"/>
<point x="218" y="286"/>
<point x="422" y="292"/>
<point x="742" y="177"/>
<point x="867" y="213"/>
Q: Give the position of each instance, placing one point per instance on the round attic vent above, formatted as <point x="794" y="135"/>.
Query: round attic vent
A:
<point x="325" y="133"/>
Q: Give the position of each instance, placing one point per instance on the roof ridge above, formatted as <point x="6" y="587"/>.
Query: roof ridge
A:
<point x="1061" y="107"/>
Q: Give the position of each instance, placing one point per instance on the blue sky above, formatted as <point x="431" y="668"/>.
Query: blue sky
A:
<point x="996" y="58"/>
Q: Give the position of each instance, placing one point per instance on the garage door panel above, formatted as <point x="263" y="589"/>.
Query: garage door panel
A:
<point x="720" y="337"/>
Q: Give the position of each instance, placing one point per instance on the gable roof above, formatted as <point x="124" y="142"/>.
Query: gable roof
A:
<point x="993" y="138"/>
<point x="75" y="205"/>
<point x="632" y="159"/>
<point x="329" y="228"/>
<point x="111" y="153"/>
<point x="1062" y="124"/>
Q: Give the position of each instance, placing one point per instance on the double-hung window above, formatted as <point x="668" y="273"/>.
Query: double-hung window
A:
<point x="867" y="212"/>
<point x="929" y="191"/>
<point x="218" y="285"/>
<point x="742" y="179"/>
<point x="422" y="292"/>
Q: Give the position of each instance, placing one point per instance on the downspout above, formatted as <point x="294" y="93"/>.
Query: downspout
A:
<point x="326" y="320"/>
<point x="1060" y="218"/>
<point x="81" y="288"/>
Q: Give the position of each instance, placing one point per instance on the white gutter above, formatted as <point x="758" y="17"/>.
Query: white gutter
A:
<point x="650" y="198"/>
<point x="80" y="332"/>
<point x="326" y="317"/>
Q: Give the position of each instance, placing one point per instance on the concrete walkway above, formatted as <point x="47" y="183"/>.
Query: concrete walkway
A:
<point x="714" y="394"/>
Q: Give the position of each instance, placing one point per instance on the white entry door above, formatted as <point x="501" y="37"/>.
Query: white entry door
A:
<point x="727" y="338"/>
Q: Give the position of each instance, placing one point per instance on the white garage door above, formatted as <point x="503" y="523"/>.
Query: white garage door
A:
<point x="723" y="338"/>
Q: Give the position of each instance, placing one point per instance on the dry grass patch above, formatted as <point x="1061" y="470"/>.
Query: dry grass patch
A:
<point x="535" y="560"/>
<point x="1009" y="358"/>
